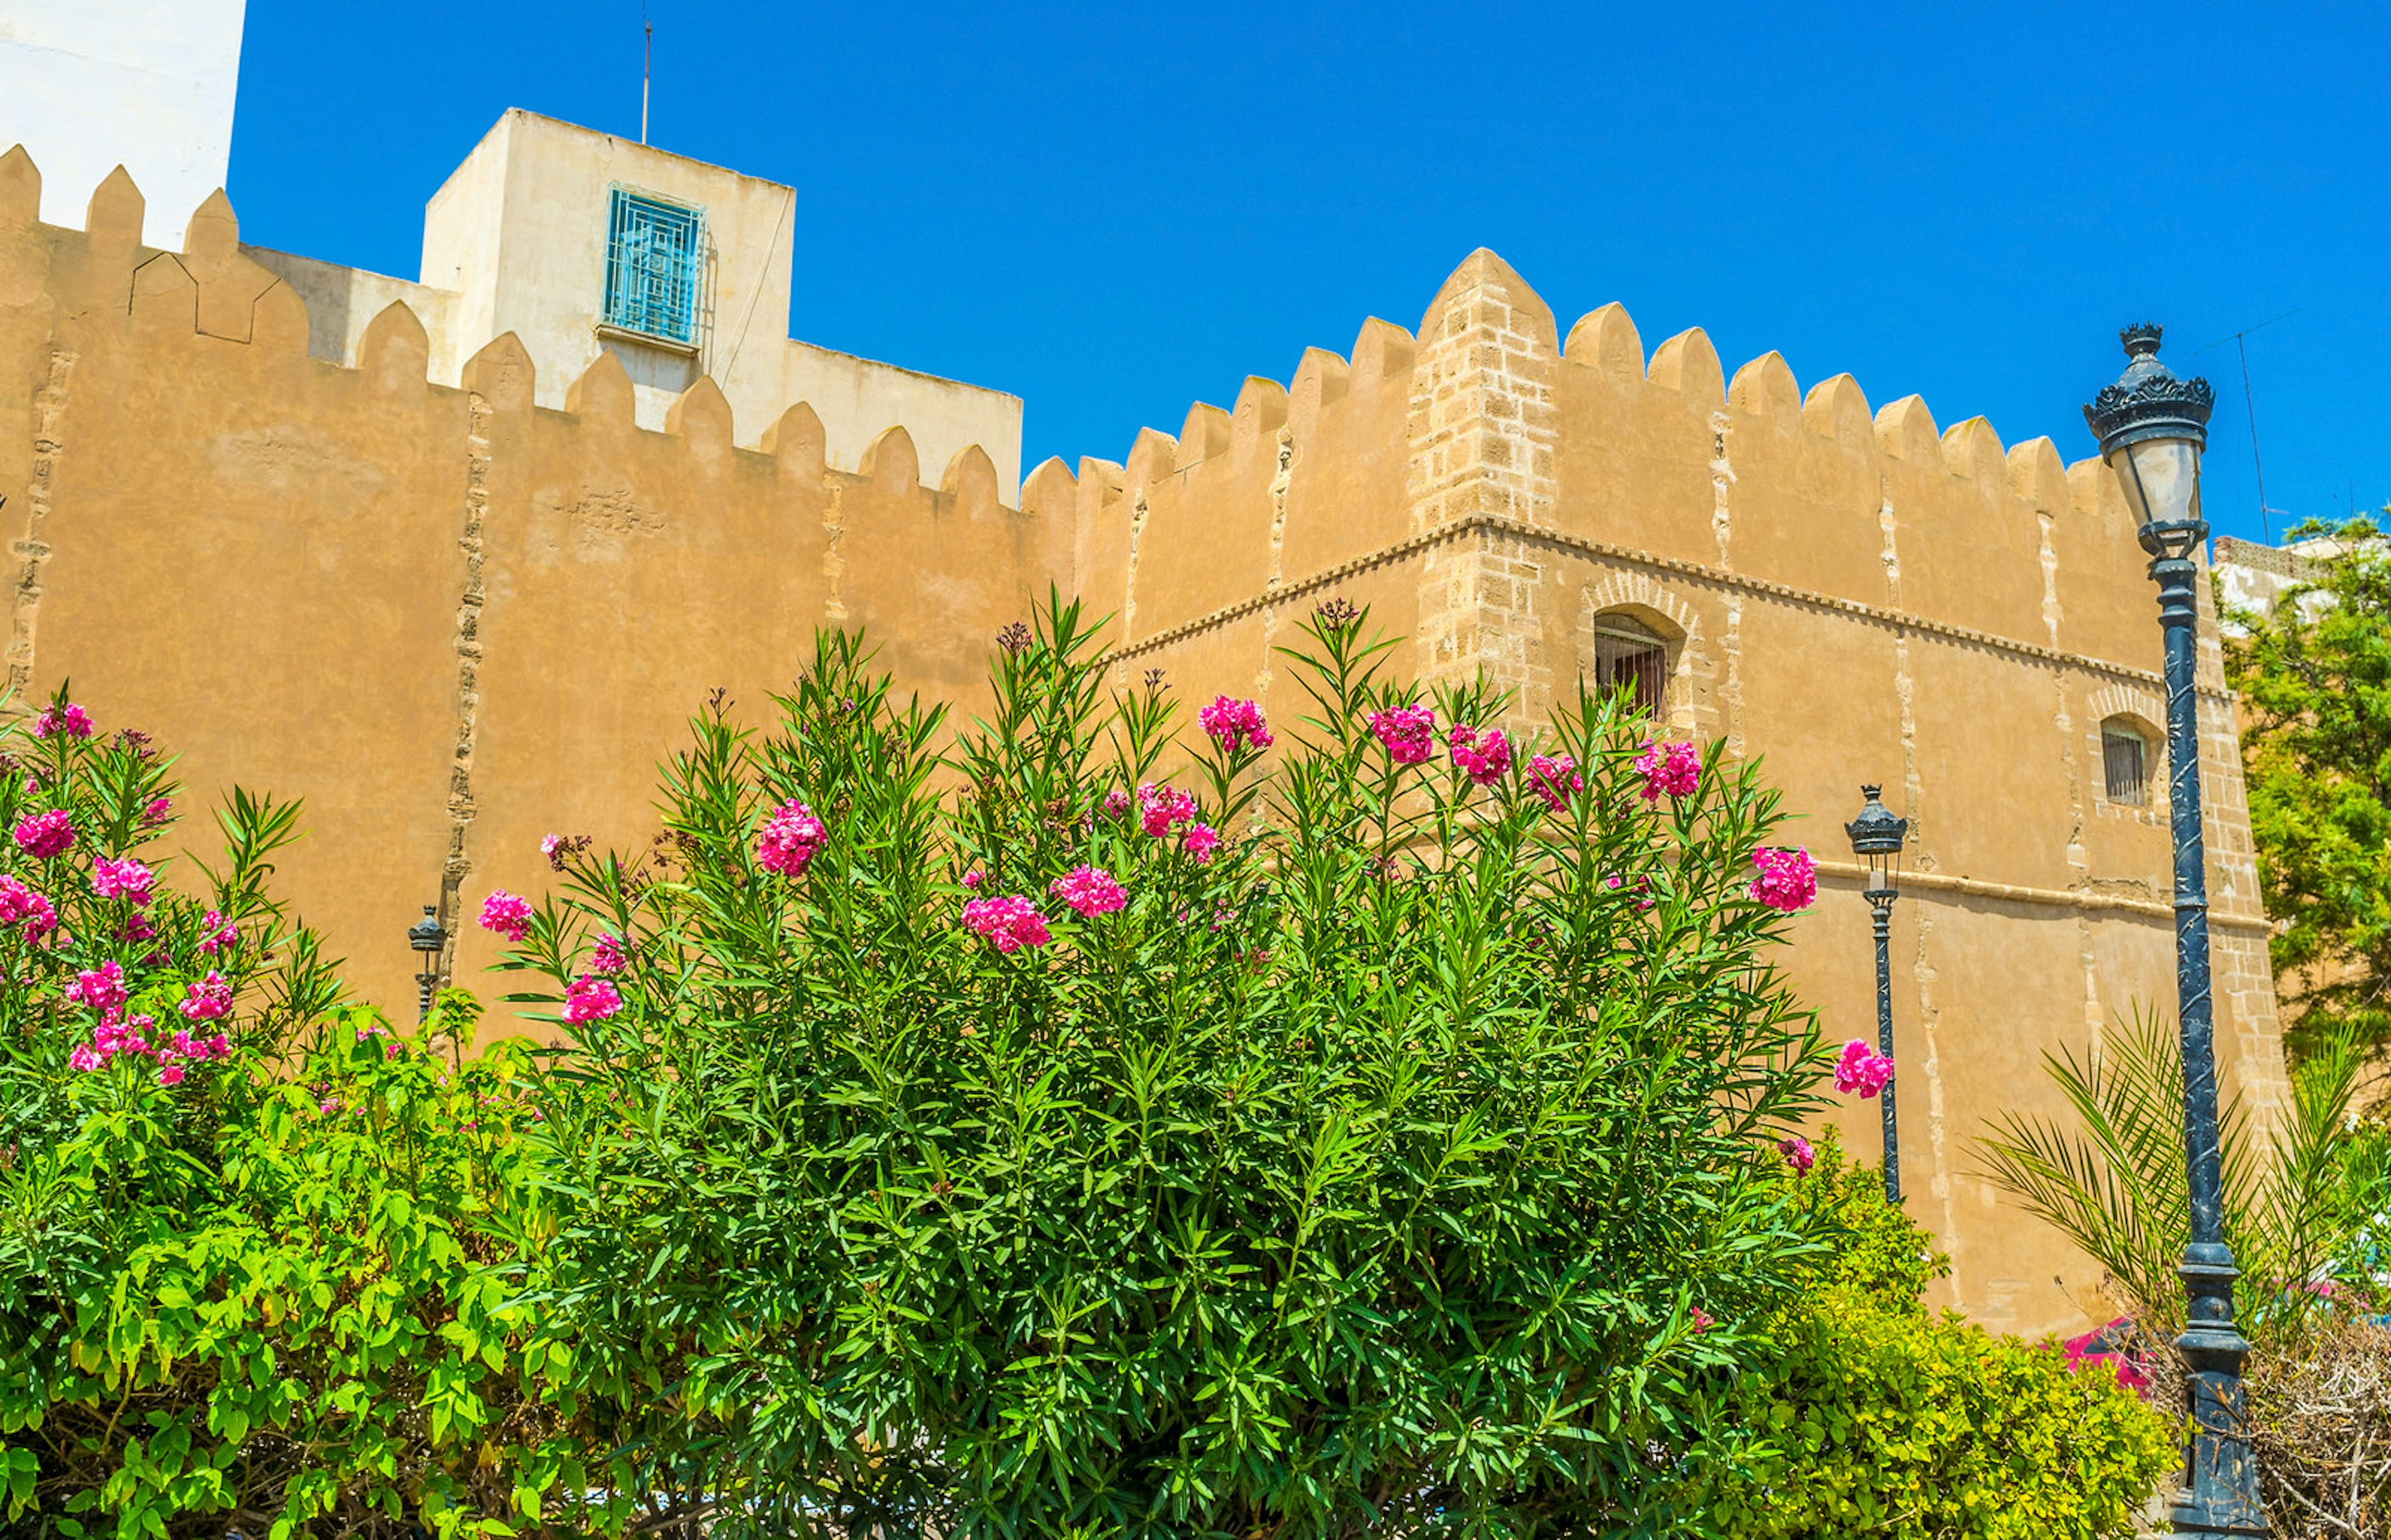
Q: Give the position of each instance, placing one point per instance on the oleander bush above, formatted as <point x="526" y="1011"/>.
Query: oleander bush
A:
<point x="1367" y="1126"/>
<point x="1053" y="1123"/>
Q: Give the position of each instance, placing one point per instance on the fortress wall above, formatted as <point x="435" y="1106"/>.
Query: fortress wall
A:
<point x="451" y="621"/>
<point x="1848" y="594"/>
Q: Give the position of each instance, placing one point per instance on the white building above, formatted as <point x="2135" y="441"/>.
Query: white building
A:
<point x="88" y="85"/>
<point x="575" y="242"/>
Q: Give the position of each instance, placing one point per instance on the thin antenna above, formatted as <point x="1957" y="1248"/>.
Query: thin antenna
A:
<point x="647" y="69"/>
<point x="2250" y="405"/>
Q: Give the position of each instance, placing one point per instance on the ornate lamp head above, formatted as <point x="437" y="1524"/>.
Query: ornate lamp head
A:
<point x="1877" y="839"/>
<point x="427" y="935"/>
<point x="2152" y="427"/>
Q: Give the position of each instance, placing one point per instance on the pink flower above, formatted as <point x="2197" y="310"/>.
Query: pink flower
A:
<point x="22" y="906"/>
<point x="1235" y="724"/>
<point x="158" y="812"/>
<point x="1644" y="900"/>
<point x="1485" y="759"/>
<point x="46" y="834"/>
<point x="86" y="1058"/>
<point x="1408" y="732"/>
<point x="1700" y="1318"/>
<point x="2097" y="1347"/>
<point x="1798" y="1154"/>
<point x="1160" y="807"/>
<point x="1012" y="922"/>
<point x="1115" y="802"/>
<point x="217" y="933"/>
<point x="1862" y="1068"/>
<point x="72" y="721"/>
<point x="505" y="915"/>
<point x="116" y="1035"/>
<point x="210" y="998"/>
<point x="591" y="999"/>
<point x="1090" y="891"/>
<point x="611" y="956"/>
<point x="1673" y="768"/>
<point x="100" y="989"/>
<point x="1788" y="879"/>
<point x="1200" y="842"/>
<point x="1555" y="778"/>
<point x="126" y="879"/>
<point x="790" y="841"/>
<point x="974" y="878"/>
<point x="171" y="1074"/>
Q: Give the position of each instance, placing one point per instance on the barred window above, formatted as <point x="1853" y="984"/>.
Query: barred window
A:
<point x="1627" y="653"/>
<point x="2124" y="761"/>
<point x="654" y="253"/>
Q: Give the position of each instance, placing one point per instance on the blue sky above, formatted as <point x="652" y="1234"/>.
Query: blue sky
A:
<point x="1114" y="210"/>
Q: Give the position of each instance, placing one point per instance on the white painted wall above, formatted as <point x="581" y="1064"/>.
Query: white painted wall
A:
<point x="86" y="86"/>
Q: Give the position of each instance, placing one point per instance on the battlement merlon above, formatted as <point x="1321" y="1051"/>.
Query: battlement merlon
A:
<point x="1490" y="418"/>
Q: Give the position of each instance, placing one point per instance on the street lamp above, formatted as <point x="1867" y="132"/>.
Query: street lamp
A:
<point x="2152" y="427"/>
<point x="1877" y="839"/>
<point x="426" y="937"/>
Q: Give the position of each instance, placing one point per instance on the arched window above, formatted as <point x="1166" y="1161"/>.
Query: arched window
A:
<point x="1627" y="653"/>
<point x="2127" y="755"/>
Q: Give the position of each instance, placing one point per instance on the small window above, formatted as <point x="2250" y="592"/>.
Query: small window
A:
<point x="654" y="252"/>
<point x="2124" y="761"/>
<point x="1629" y="653"/>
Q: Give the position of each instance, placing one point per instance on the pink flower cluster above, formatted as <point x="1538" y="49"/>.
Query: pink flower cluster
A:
<point x="122" y="878"/>
<point x="1090" y="891"/>
<point x="1798" y="1154"/>
<point x="505" y="913"/>
<point x="1116" y="803"/>
<point x="1644" y="900"/>
<point x="1235" y="724"/>
<point x="1555" y="777"/>
<point x="611" y="955"/>
<point x="22" y="905"/>
<point x="208" y="999"/>
<point x="217" y="933"/>
<point x="591" y="999"/>
<point x="115" y="1036"/>
<point x="73" y="722"/>
<point x="790" y="841"/>
<point x="1408" y="732"/>
<point x="1200" y="842"/>
<point x="44" y="835"/>
<point x="100" y="989"/>
<point x="1161" y="808"/>
<point x="1484" y="758"/>
<point x="1670" y="769"/>
<point x="1012" y="922"/>
<point x="1788" y="879"/>
<point x="1862" y="1068"/>
<point x="158" y="812"/>
<point x="2098" y="1346"/>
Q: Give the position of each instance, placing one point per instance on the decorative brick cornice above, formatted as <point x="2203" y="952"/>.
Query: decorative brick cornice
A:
<point x="1717" y="577"/>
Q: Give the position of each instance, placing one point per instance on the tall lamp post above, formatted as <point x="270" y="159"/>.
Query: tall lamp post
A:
<point x="426" y="937"/>
<point x="2152" y="427"/>
<point x="1877" y="839"/>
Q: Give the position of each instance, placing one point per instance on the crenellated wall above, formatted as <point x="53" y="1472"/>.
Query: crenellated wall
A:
<point x="451" y="619"/>
<point x="454" y="618"/>
<point x="1853" y="596"/>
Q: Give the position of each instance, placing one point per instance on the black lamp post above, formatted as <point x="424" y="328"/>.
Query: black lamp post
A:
<point x="1877" y="839"/>
<point x="2152" y="427"/>
<point x="427" y="937"/>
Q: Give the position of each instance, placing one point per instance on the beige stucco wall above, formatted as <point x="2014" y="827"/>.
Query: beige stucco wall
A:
<point x="1853" y="596"/>
<point x="454" y="618"/>
<point x="448" y="618"/>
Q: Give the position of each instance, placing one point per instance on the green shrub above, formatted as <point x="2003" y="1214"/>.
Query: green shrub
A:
<point x="1866" y="1414"/>
<point x="249" y="1298"/>
<point x="1375" y="1171"/>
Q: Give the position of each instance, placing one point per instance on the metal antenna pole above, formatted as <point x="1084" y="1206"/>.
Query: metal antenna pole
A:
<point x="647" y="70"/>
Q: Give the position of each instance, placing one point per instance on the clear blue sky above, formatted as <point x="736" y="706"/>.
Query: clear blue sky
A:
<point x="1112" y="210"/>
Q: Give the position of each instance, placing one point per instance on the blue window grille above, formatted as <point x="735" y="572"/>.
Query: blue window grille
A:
<point x="654" y="254"/>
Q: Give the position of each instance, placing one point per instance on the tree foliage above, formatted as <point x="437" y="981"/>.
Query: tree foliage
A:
<point x="2314" y="680"/>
